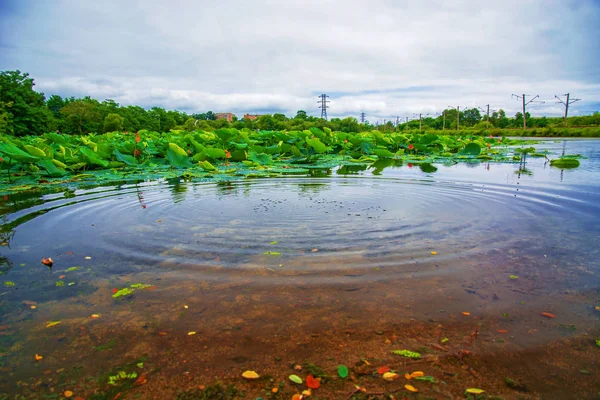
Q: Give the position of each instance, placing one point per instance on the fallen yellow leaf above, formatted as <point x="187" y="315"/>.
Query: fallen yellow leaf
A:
<point x="52" y="323"/>
<point x="407" y="376"/>
<point x="475" y="391"/>
<point x="191" y="333"/>
<point x="38" y="357"/>
<point x="417" y="374"/>
<point x="68" y="393"/>
<point x="306" y="393"/>
<point x="466" y="313"/>
<point x="250" y="375"/>
<point x="185" y="306"/>
<point x="434" y="253"/>
<point x="410" y="388"/>
<point x="33" y="307"/>
<point x="390" y="376"/>
<point x="94" y="316"/>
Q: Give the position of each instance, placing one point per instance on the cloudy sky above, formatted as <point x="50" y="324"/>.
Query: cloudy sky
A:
<point x="386" y="58"/>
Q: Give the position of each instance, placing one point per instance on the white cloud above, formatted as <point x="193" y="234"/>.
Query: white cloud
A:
<point x="384" y="57"/>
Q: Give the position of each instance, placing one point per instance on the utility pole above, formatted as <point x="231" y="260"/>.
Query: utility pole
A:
<point x="567" y="104"/>
<point x="487" y="122"/>
<point x="323" y="105"/>
<point x="457" y="117"/>
<point x="362" y="117"/>
<point x="397" y="121"/>
<point x="525" y="104"/>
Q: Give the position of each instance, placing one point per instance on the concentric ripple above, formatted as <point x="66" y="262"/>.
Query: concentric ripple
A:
<point x="315" y="228"/>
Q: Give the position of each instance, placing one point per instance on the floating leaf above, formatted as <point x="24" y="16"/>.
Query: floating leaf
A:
<point x="513" y="276"/>
<point x="72" y="269"/>
<point x="548" y="315"/>
<point x="474" y="391"/>
<point x="471" y="149"/>
<point x="122" y="292"/>
<point x="434" y="253"/>
<point x="250" y="375"/>
<point x="426" y="378"/>
<point x="565" y="163"/>
<point x="94" y="316"/>
<point x="390" y="376"/>
<point x="191" y="333"/>
<point x="342" y="371"/>
<point x="272" y="253"/>
<point x="407" y="353"/>
<point x="312" y="383"/>
<point x="9" y="284"/>
<point x="47" y="262"/>
<point x="38" y="357"/>
<point x="274" y="242"/>
<point x="295" y="379"/>
<point x="52" y="323"/>
<point x="466" y="313"/>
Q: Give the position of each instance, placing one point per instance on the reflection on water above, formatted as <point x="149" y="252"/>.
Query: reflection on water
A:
<point x="357" y="245"/>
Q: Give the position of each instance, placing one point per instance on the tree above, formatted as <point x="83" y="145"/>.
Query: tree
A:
<point x="83" y="113"/>
<point x="27" y="113"/>
<point x="470" y="117"/>
<point x="113" y="123"/>
<point x="301" y="114"/>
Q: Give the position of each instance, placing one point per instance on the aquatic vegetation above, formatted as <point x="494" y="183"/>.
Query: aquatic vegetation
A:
<point x="55" y="159"/>
<point x="407" y="353"/>
<point x="565" y="162"/>
<point x="122" y="292"/>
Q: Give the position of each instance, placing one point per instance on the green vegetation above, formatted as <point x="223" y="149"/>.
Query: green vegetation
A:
<point x="407" y="353"/>
<point x="64" y="161"/>
<point x="24" y="111"/>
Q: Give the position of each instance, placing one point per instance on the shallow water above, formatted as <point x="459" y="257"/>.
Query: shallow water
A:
<point x="327" y="254"/>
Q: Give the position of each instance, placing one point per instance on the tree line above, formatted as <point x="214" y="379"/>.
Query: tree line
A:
<point x="24" y="111"/>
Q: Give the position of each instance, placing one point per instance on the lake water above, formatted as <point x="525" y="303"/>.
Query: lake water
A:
<point x="264" y="274"/>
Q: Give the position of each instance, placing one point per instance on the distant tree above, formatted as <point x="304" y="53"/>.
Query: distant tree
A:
<point x="113" y="123"/>
<point x="265" y="122"/>
<point x="301" y="114"/>
<point x="24" y="109"/>
<point x="349" y="124"/>
<point x="83" y="113"/>
<point x="210" y="116"/>
<point x="470" y="117"/>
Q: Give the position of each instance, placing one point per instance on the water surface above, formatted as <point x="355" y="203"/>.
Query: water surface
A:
<point x="361" y="250"/>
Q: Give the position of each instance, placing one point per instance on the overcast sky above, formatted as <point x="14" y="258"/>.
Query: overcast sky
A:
<point x="386" y="58"/>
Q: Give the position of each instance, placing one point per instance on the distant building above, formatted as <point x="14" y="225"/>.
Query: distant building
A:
<point x="251" y="117"/>
<point x="227" y="116"/>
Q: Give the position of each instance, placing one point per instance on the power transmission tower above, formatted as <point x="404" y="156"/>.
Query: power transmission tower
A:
<point x="362" y="117"/>
<point x="567" y="104"/>
<point x="397" y="121"/>
<point x="525" y="104"/>
<point x="323" y="105"/>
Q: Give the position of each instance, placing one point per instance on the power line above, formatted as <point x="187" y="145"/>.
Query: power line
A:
<point x="524" y="104"/>
<point x="567" y="104"/>
<point x="323" y="105"/>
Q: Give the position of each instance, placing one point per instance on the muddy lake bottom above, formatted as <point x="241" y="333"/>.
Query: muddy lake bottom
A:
<point x="171" y="290"/>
